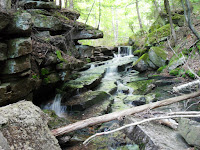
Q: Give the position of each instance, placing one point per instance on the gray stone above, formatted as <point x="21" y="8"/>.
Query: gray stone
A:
<point x="86" y="100"/>
<point x="87" y="34"/>
<point x="42" y="22"/>
<point x="19" y="47"/>
<point x="3" y="51"/>
<point x="17" y="65"/>
<point x="26" y="128"/>
<point x="153" y="136"/>
<point x="21" y="24"/>
<point x="189" y="129"/>
<point x="69" y="13"/>
<point x="141" y="66"/>
<point x="176" y="63"/>
<point x="157" y="56"/>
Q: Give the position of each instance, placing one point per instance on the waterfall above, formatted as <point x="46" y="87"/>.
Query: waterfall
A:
<point x="56" y="106"/>
<point x="92" y="66"/>
<point x="125" y="51"/>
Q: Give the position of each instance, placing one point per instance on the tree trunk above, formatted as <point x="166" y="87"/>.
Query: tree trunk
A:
<point x="189" y="19"/>
<point x="60" y="4"/>
<point x="157" y="6"/>
<point x="138" y="13"/>
<point x="185" y="13"/>
<point x="116" y="115"/>
<point x="65" y="3"/>
<point x="167" y="7"/>
<point x="99" y="15"/>
<point x="71" y="4"/>
<point x="113" y="23"/>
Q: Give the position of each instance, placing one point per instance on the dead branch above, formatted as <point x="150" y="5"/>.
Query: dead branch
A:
<point x="137" y="123"/>
<point x="184" y="86"/>
<point x="112" y="116"/>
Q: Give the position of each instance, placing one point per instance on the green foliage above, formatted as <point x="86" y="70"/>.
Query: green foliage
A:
<point x="59" y="56"/>
<point x="198" y="73"/>
<point x="190" y="74"/>
<point x="161" y="69"/>
<point x="88" y="60"/>
<point x="44" y="71"/>
<point x="177" y="72"/>
<point x="35" y="76"/>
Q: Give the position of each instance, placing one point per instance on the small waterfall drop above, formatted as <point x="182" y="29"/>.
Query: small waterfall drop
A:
<point x="125" y="51"/>
<point x="92" y="66"/>
<point x="56" y="106"/>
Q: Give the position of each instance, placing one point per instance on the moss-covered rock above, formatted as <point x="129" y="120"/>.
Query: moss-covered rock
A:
<point x="141" y="64"/>
<point x="190" y="74"/>
<point x="86" y="100"/>
<point x="178" y="19"/>
<point x="158" y="56"/>
<point x="176" y="61"/>
<point x="158" y="35"/>
<point x="3" y="49"/>
<point x="159" y="22"/>
<point x="140" y="87"/>
<point x="140" y="52"/>
<point x="39" y="5"/>
<point x="55" y="121"/>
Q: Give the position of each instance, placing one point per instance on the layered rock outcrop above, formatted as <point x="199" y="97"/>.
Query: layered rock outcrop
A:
<point x="37" y="48"/>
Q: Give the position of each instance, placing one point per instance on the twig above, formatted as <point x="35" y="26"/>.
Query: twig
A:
<point x="137" y="123"/>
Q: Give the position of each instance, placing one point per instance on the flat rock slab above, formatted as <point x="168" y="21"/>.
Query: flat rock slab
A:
<point x="108" y="86"/>
<point x="24" y="126"/>
<point x="153" y="136"/>
<point x="86" y="100"/>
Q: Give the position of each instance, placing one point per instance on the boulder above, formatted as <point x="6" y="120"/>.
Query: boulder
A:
<point x="24" y="126"/>
<point x="21" y="23"/>
<point x="189" y="130"/>
<point x="5" y="19"/>
<point x="87" y="34"/>
<point x="176" y="62"/>
<point x="17" y="65"/>
<point x="19" y="47"/>
<point x="46" y="23"/>
<point x="141" y="64"/>
<point x="3" y="51"/>
<point x="157" y="56"/>
<point x="28" y="4"/>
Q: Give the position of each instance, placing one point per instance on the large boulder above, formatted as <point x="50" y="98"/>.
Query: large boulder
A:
<point x="21" y="23"/>
<point x="189" y="129"/>
<point x="157" y="56"/>
<point x="19" y="47"/>
<point x="24" y="126"/>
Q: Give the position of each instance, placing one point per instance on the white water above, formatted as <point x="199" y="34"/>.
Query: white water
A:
<point x="56" y="106"/>
<point x="92" y="66"/>
<point x="124" y="51"/>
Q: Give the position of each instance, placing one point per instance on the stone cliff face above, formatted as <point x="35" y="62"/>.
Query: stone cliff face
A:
<point x="38" y="48"/>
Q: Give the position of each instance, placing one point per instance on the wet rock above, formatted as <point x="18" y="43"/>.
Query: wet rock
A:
<point x="108" y="86"/>
<point x="3" y="51"/>
<point x="189" y="129"/>
<point x="87" y="34"/>
<point x="19" y="47"/>
<point x="21" y="24"/>
<point x="25" y="127"/>
<point x="38" y="5"/>
<point x="50" y="23"/>
<point x="5" y="19"/>
<point x="154" y="136"/>
<point x="118" y="104"/>
<point x="17" y="65"/>
<point x="52" y="78"/>
<point x="141" y="66"/>
<point x="158" y="56"/>
<point x="139" y="102"/>
<point x="86" y="100"/>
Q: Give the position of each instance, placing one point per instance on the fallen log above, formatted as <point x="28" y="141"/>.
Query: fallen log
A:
<point x="187" y="85"/>
<point x="112" y="116"/>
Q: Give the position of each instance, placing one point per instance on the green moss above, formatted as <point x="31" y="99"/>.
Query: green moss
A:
<point x="88" y="60"/>
<point x="59" y="15"/>
<point x="175" y="58"/>
<point x="158" y="34"/>
<point x="140" y="87"/>
<point x="177" y="16"/>
<point x="161" y="69"/>
<point x="190" y="74"/>
<point x="144" y="57"/>
<point x="46" y="80"/>
<point x="140" y="52"/>
<point x="198" y="73"/>
<point x="160" y="52"/>
<point x="35" y="76"/>
<point x="44" y="71"/>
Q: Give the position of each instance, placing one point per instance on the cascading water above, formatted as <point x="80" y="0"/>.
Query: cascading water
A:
<point x="92" y="66"/>
<point x="56" y="106"/>
<point x="125" y="51"/>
